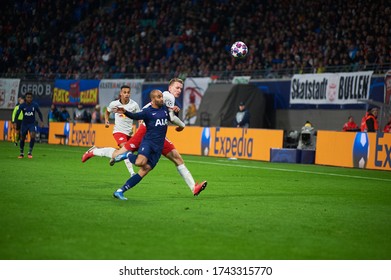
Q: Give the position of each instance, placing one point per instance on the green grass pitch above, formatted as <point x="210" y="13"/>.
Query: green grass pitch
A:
<point x="54" y="207"/>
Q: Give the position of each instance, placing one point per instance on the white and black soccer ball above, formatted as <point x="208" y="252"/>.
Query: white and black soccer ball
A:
<point x="239" y="49"/>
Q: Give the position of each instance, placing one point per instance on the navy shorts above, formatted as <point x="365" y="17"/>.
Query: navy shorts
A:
<point x="151" y="152"/>
<point x="28" y="127"/>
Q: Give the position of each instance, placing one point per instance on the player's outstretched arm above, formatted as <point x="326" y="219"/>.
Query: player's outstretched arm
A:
<point x="136" y="116"/>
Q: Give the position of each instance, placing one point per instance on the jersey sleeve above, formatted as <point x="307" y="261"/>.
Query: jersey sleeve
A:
<point x="110" y="107"/>
<point x="169" y="99"/>
<point x="142" y="115"/>
<point x="21" y="106"/>
<point x="174" y="119"/>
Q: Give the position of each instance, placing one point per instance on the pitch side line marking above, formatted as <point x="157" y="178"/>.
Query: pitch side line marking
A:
<point x="291" y="170"/>
<point x="271" y="168"/>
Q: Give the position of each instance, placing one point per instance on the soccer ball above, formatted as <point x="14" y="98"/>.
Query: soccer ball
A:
<point x="239" y="49"/>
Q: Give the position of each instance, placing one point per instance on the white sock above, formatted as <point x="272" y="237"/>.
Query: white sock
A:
<point x="103" y="152"/>
<point x="186" y="175"/>
<point x="129" y="165"/>
<point x="119" y="190"/>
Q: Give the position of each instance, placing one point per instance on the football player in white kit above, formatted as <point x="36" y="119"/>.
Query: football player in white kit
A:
<point x="123" y="126"/>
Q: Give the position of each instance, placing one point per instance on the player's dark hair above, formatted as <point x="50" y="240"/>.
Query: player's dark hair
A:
<point x="125" y="86"/>
<point x="28" y="93"/>
<point x="153" y="92"/>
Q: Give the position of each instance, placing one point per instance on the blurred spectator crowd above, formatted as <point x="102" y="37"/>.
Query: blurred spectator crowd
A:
<point x="161" y="38"/>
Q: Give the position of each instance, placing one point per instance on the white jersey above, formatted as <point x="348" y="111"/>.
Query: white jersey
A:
<point x="168" y="99"/>
<point x="122" y="123"/>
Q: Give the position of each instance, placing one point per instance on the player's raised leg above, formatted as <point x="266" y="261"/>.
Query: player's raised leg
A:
<point x="94" y="151"/>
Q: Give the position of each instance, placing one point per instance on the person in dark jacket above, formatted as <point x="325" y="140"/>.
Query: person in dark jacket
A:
<point x="242" y="118"/>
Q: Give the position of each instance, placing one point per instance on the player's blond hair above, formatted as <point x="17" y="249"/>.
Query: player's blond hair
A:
<point x="173" y="80"/>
